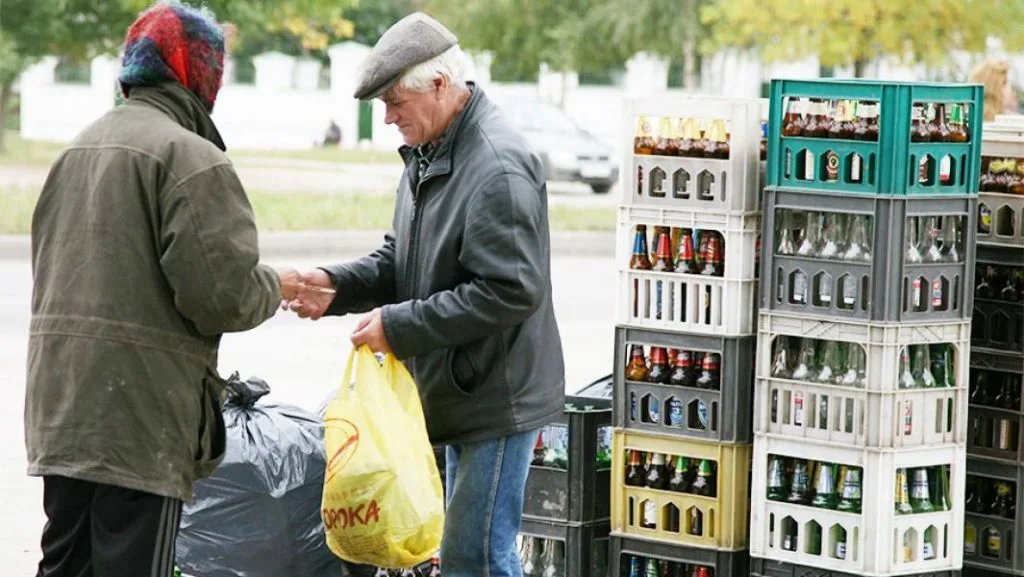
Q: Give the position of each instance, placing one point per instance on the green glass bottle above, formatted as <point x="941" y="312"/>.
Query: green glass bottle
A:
<point x="851" y="497"/>
<point x="825" y="487"/>
<point x="800" y="483"/>
<point x="920" y="498"/>
<point x="776" y="480"/>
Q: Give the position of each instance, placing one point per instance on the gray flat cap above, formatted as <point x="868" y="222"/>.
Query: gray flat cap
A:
<point x="410" y="41"/>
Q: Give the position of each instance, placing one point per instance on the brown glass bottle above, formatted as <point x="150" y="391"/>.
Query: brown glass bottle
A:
<point x="683" y="375"/>
<point x="939" y="129"/>
<point x="660" y="371"/>
<point x="666" y="145"/>
<point x="957" y="131"/>
<point x="710" y="377"/>
<point x="663" y="253"/>
<point x="657" y="474"/>
<point x="838" y="120"/>
<point x="686" y="262"/>
<point x="634" y="470"/>
<point x="713" y="260"/>
<point x="643" y="142"/>
<point x="793" y="121"/>
<point x="636" y="370"/>
<point x="640" y="260"/>
<point x="817" y="125"/>
<point x="919" y="130"/>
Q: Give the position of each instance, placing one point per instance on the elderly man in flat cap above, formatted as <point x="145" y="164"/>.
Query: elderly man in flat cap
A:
<point x="461" y="288"/>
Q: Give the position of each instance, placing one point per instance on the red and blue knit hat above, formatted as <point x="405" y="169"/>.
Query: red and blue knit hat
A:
<point x="174" y="42"/>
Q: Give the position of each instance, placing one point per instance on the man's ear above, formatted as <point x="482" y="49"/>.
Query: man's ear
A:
<point x="440" y="85"/>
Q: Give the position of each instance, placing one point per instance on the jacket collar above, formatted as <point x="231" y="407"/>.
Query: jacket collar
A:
<point x="441" y="157"/>
<point x="181" y="105"/>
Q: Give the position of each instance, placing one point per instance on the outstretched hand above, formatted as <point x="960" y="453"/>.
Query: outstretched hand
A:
<point x="314" y="295"/>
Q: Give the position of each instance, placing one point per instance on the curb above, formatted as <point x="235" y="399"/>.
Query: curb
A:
<point x="277" y="245"/>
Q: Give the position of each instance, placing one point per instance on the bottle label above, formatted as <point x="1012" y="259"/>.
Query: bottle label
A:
<point x="855" y="168"/>
<point x="841" y="550"/>
<point x="809" y="165"/>
<point x="919" y="488"/>
<point x="929" y="551"/>
<point x="702" y="414"/>
<point x="937" y="294"/>
<point x="652" y="411"/>
<point x="632" y="406"/>
<point x="901" y="488"/>
<point x="984" y="219"/>
<point x="604" y="439"/>
<point x="908" y="418"/>
<point x="970" y="540"/>
<point x="675" y="413"/>
<point x="650" y="514"/>
<point x="994" y="542"/>
<point x="916" y="298"/>
<point x="832" y="167"/>
<point x="825" y="293"/>
<point x="849" y="292"/>
<point x="800" y="288"/>
<point x="798" y="409"/>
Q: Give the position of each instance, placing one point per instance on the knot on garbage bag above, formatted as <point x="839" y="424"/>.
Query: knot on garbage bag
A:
<point x="245" y="393"/>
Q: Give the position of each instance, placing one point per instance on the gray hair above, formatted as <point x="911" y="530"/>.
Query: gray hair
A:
<point x="453" y="64"/>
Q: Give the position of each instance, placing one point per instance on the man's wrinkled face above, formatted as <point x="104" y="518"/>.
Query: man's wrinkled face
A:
<point x="418" y="115"/>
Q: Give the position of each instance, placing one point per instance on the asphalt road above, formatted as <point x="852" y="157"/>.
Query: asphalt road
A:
<point x="301" y="360"/>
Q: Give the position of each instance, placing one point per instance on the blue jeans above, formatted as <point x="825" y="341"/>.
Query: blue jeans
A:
<point x="485" y="484"/>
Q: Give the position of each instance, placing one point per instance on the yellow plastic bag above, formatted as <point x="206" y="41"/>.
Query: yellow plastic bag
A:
<point x="383" y="502"/>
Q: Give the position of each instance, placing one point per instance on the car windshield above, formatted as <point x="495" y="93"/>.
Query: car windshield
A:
<point x="539" y="117"/>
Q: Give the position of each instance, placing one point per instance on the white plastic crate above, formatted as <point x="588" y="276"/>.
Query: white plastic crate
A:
<point x="696" y="304"/>
<point x="882" y="343"/>
<point x="739" y="234"/>
<point x="1002" y="139"/>
<point x="875" y="536"/>
<point x="732" y="184"/>
<point x="853" y="417"/>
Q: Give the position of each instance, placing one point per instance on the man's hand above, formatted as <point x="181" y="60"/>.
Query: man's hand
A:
<point x="370" y="332"/>
<point x="309" y="303"/>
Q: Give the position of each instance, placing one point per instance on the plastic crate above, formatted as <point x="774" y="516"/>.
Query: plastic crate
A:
<point x="579" y="493"/>
<point x="890" y="166"/>
<point x="1006" y="211"/>
<point x="977" y="555"/>
<point x="1004" y="216"/>
<point x="723" y="517"/>
<point x="585" y="546"/>
<point x="875" y="536"/>
<point x="881" y="343"/>
<point x="998" y="324"/>
<point x="721" y="563"/>
<point x="994" y="429"/>
<point x="732" y="185"/>
<point x="769" y="568"/>
<point x="739" y="233"/>
<point x="728" y="410"/>
<point x="997" y="361"/>
<point x="886" y="289"/>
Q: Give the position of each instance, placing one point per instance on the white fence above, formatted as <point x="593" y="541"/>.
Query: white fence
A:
<point x="285" y="109"/>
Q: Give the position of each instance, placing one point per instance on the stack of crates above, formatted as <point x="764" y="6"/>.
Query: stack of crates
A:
<point x="565" y="524"/>
<point x="995" y="457"/>
<point x="863" y="350"/>
<point x="687" y="252"/>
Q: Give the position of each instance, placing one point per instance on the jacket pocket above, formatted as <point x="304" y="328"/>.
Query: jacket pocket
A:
<point x="212" y="436"/>
<point x="469" y="366"/>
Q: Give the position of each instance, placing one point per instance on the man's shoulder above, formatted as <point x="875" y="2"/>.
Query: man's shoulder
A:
<point x="499" y="146"/>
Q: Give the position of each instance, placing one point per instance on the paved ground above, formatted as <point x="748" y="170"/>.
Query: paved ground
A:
<point x="288" y="175"/>
<point x="301" y="360"/>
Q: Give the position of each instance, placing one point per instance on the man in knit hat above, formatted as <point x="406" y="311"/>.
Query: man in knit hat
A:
<point x="144" y="253"/>
<point x="461" y="287"/>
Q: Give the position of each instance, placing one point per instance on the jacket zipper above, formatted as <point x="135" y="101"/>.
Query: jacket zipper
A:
<point x="414" y="236"/>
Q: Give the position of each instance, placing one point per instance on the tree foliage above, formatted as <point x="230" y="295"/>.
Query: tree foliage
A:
<point x="854" y="32"/>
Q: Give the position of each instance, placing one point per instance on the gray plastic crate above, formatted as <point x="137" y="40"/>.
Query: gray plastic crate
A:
<point x="884" y="287"/>
<point x="729" y="409"/>
<point x="580" y="493"/>
<point x="769" y="568"/>
<point x="998" y="324"/>
<point x="721" y="563"/>
<point x="1001" y="219"/>
<point x="1011" y="559"/>
<point x="995" y="433"/>
<point x="997" y="361"/>
<point x="586" y="545"/>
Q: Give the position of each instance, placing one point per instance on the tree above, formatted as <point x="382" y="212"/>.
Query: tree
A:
<point x="856" y="32"/>
<point x="668" y="28"/>
<point x="82" y="29"/>
<point x="565" y="34"/>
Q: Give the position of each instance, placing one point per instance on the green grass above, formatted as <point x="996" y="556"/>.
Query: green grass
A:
<point x="30" y="153"/>
<point x="305" y="211"/>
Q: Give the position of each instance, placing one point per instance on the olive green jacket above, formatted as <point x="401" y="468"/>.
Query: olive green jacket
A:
<point x="144" y="252"/>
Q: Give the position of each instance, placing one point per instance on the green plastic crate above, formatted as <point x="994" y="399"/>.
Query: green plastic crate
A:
<point x="889" y="165"/>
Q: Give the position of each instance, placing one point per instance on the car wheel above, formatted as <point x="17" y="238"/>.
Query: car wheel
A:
<point x="601" y="187"/>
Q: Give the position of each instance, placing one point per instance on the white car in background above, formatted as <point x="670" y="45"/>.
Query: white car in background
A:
<point x="569" y="153"/>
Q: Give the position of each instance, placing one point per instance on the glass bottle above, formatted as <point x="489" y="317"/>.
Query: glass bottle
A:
<point x="833" y="235"/>
<point x="776" y="480"/>
<point x="851" y="497"/>
<point x="825" y="488"/>
<point x="913" y="252"/>
<point x="828" y="372"/>
<point x="950" y="239"/>
<point x="902" y="493"/>
<point x="806" y="366"/>
<point x="906" y="377"/>
<point x="858" y="248"/>
<point x="780" y="365"/>
<point x="799" y="483"/>
<point x="920" y="367"/>
<point x="855" y="374"/>
<point x="811" y="241"/>
<point x="637" y="369"/>
<point x="920" y="499"/>
<point x="931" y="250"/>
<point x="786" y="246"/>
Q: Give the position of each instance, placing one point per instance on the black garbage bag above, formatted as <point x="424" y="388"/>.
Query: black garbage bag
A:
<point x="258" y="515"/>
